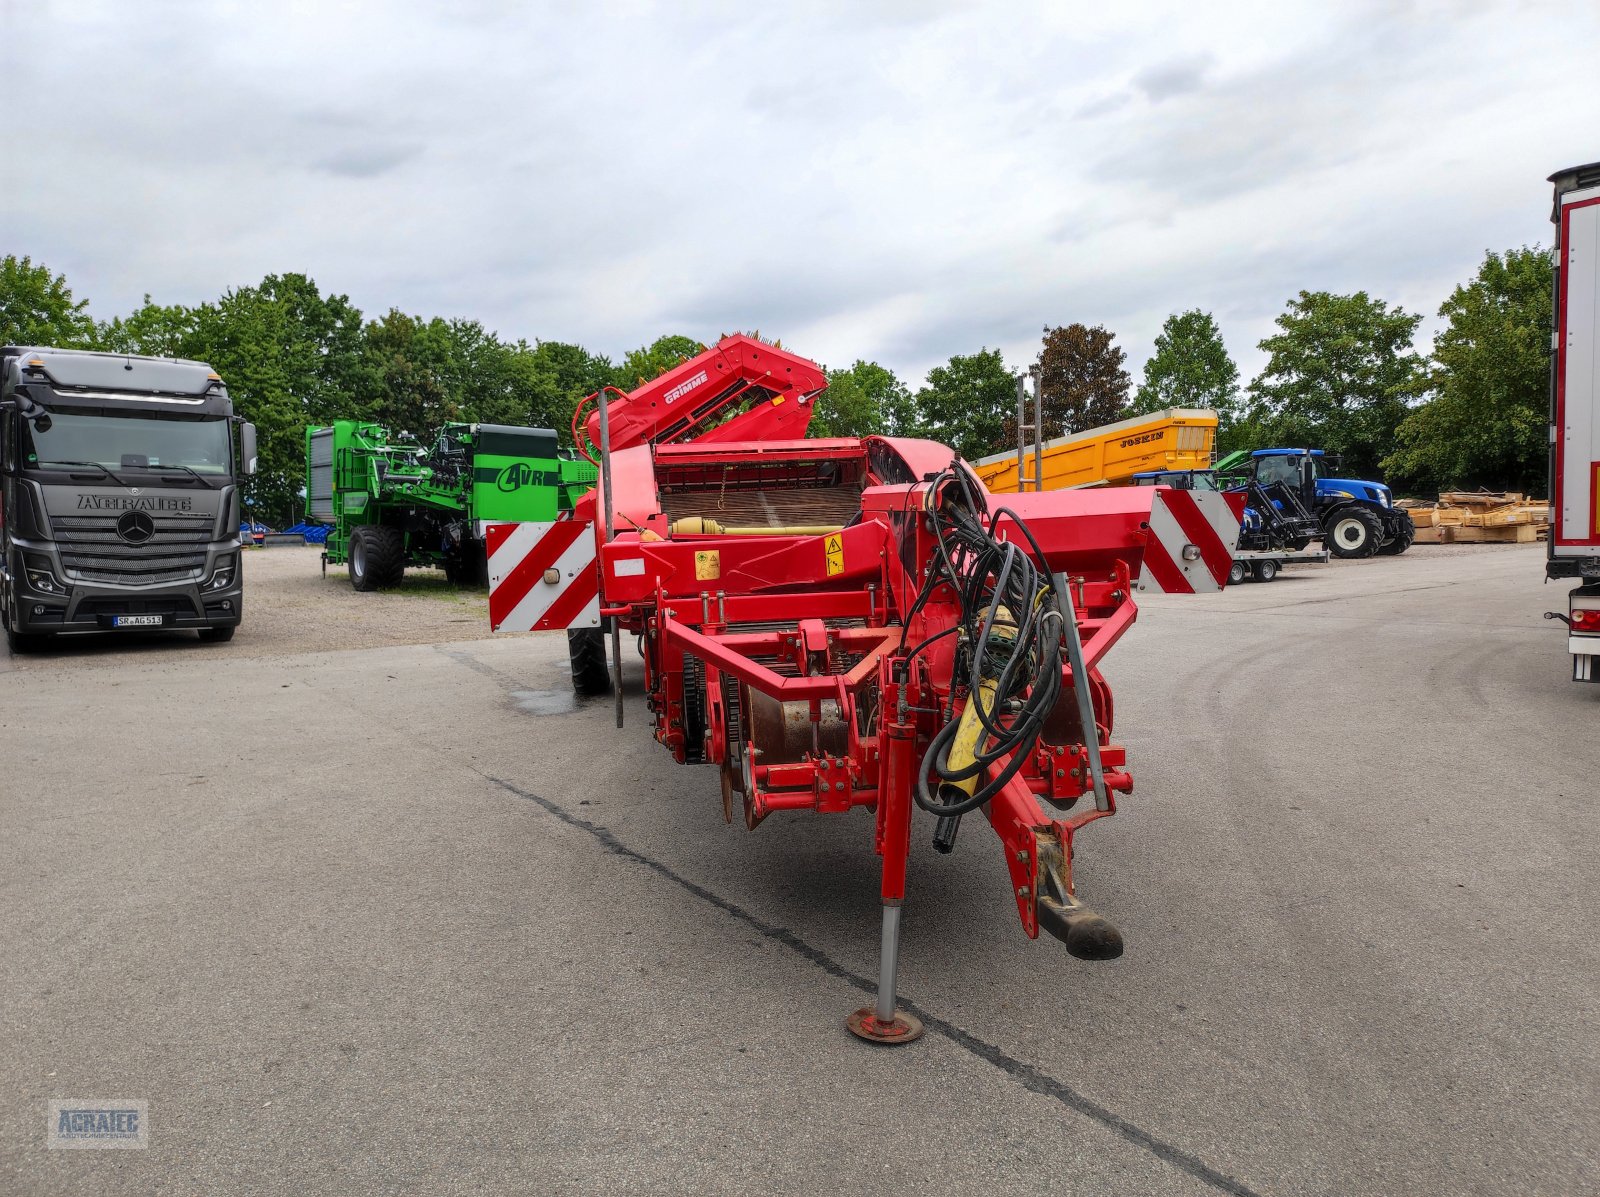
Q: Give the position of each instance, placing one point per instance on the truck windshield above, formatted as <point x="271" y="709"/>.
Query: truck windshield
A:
<point x="129" y="441"/>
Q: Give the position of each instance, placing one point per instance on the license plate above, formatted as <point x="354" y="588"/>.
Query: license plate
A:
<point x="136" y="621"/>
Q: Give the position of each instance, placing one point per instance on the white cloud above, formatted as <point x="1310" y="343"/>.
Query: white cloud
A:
<point x="895" y="181"/>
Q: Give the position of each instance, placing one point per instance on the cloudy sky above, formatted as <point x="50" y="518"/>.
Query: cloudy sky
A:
<point x="896" y="181"/>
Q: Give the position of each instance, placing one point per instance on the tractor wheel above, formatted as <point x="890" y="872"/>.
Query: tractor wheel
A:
<point x="377" y="557"/>
<point x="1237" y="572"/>
<point x="1265" y="570"/>
<point x="1353" y="532"/>
<point x="1398" y="545"/>
<point x="591" y="673"/>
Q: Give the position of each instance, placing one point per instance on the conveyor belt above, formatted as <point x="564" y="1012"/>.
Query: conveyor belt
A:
<point x="767" y="508"/>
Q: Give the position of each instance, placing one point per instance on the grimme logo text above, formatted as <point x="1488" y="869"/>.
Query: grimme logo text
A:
<point x="683" y="388"/>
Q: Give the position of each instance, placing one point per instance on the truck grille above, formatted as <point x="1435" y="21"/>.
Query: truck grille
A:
<point x="92" y="551"/>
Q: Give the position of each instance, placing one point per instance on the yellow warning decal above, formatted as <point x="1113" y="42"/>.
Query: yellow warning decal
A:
<point x="834" y="546"/>
<point x="707" y="566"/>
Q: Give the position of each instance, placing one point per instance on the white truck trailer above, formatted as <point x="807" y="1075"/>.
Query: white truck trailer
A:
<point x="1575" y="414"/>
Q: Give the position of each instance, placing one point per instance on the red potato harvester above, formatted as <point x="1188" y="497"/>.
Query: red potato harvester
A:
<point x="837" y="623"/>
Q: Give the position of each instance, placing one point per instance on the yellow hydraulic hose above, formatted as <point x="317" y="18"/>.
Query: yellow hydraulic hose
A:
<point x="969" y="729"/>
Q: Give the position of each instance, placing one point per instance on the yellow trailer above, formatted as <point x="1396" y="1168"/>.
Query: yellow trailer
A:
<point x="1179" y="438"/>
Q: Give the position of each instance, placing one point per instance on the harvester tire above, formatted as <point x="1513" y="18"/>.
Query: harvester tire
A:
<point x="1353" y="532"/>
<point x="591" y="672"/>
<point x="377" y="557"/>
<point x="1398" y="545"/>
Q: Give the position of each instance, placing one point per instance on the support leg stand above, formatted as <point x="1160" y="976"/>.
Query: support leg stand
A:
<point x="883" y="1023"/>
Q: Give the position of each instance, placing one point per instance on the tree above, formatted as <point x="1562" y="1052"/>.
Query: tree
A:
<point x="1489" y="377"/>
<point x="1081" y="380"/>
<point x="1337" y="376"/>
<point x="966" y="404"/>
<point x="289" y="357"/>
<point x="655" y="359"/>
<point x="1190" y="368"/>
<point x="409" y="367"/>
<point x="559" y="376"/>
<point x="37" y="308"/>
<point x="865" y="400"/>
<point x="153" y="330"/>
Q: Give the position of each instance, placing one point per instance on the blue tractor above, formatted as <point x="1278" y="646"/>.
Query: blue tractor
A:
<point x="1358" y="518"/>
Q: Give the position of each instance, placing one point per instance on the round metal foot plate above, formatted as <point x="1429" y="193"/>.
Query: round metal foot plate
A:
<point x="902" y="1029"/>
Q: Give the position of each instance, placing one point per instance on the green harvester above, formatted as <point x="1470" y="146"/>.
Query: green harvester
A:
<point x="391" y="503"/>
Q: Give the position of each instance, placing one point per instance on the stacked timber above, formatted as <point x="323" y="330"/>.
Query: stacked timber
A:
<point x="1479" y="517"/>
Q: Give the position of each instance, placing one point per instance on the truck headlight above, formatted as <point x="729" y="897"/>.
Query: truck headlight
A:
<point x="222" y="576"/>
<point x="42" y="576"/>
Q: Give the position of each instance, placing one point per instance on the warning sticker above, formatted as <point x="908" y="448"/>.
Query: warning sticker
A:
<point x="834" y="547"/>
<point x="707" y="566"/>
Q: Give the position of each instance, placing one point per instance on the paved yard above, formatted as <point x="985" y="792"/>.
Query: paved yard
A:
<point x="362" y="902"/>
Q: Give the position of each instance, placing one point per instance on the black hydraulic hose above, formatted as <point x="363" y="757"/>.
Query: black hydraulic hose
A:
<point x="1027" y="664"/>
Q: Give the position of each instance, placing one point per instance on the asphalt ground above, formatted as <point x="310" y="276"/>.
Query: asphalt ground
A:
<point x="404" y="918"/>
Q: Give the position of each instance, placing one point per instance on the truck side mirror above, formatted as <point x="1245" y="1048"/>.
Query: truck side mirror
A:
<point x="247" y="449"/>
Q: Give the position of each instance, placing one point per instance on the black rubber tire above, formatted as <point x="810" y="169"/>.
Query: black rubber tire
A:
<point x="1264" y="570"/>
<point x="1353" y="532"/>
<point x="1237" y="573"/>
<point x="377" y="557"/>
<point x="218" y="635"/>
<point x="591" y="671"/>
<point x="23" y="643"/>
<point x="1398" y="545"/>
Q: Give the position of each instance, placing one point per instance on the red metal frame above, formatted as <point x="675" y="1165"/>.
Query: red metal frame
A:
<point x="807" y="663"/>
<point x="697" y="631"/>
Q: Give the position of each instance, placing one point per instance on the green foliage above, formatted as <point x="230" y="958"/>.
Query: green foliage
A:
<point x="966" y="404"/>
<point x="1081" y="380"/>
<point x="1190" y="368"/>
<point x="655" y="359"/>
<point x="1339" y="371"/>
<point x="409" y="368"/>
<point x="559" y="376"/>
<point x="37" y="308"/>
<point x="153" y="331"/>
<point x="865" y="400"/>
<point x="1489" y="378"/>
<point x="289" y="357"/>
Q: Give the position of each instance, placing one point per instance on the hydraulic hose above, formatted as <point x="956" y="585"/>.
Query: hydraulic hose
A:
<point x="1010" y="655"/>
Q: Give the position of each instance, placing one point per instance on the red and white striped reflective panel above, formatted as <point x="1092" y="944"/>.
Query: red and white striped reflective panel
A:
<point x="1200" y="522"/>
<point x="542" y="577"/>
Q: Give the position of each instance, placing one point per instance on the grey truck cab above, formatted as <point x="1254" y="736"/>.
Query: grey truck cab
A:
<point x="119" y="497"/>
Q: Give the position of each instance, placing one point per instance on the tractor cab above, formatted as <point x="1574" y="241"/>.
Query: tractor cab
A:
<point x="1179" y="479"/>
